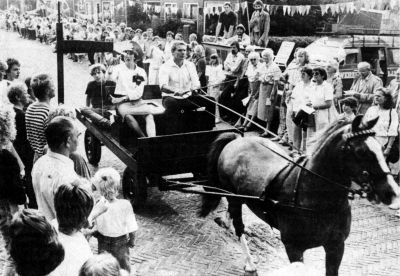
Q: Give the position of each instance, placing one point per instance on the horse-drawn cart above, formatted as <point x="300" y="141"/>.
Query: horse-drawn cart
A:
<point x="150" y="159"/>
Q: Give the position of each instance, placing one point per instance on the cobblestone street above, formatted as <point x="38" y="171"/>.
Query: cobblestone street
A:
<point x="172" y="240"/>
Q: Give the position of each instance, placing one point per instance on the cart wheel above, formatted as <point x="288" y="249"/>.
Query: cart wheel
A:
<point x="134" y="187"/>
<point x="92" y="148"/>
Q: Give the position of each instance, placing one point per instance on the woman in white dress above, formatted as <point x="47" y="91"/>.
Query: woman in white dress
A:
<point x="321" y="99"/>
<point x="216" y="76"/>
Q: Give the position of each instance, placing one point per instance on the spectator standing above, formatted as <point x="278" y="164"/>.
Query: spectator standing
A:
<point x="253" y="75"/>
<point x="34" y="246"/>
<point x="300" y="97"/>
<point x="11" y="186"/>
<point x="168" y="45"/>
<point x="259" y="25"/>
<point x="332" y="70"/>
<point x="200" y="62"/>
<point x="117" y="226"/>
<point x="37" y="113"/>
<point x="216" y="76"/>
<point x="364" y="87"/>
<point x="394" y="87"/>
<point x="156" y="56"/>
<point x="293" y="72"/>
<point x="73" y="204"/>
<point x="18" y="96"/>
<point x="13" y="71"/>
<point x="3" y="83"/>
<point x="55" y="167"/>
<point x="227" y="20"/>
<point x="321" y="100"/>
<point x="98" y="90"/>
<point x="269" y="77"/>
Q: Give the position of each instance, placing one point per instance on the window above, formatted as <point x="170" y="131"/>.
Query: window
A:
<point x="351" y="56"/>
<point x="393" y="56"/>
<point x="152" y="8"/>
<point x="170" y="9"/>
<point x="190" y="11"/>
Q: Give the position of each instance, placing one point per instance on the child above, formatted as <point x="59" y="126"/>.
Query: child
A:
<point x="102" y="265"/>
<point x="73" y="205"/>
<point x="349" y="106"/>
<point x="116" y="227"/>
<point x="98" y="90"/>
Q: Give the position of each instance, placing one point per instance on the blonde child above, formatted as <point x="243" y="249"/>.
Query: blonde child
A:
<point x="102" y="265"/>
<point x="117" y="226"/>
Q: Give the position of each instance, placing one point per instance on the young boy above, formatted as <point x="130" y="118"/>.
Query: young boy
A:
<point x="98" y="90"/>
<point x="117" y="226"/>
<point x="73" y="204"/>
<point x="349" y="106"/>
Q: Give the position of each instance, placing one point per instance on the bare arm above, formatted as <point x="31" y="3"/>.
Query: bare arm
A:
<point x="218" y="30"/>
<point x="87" y="101"/>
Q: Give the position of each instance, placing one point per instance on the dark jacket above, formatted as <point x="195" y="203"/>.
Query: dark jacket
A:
<point x="11" y="186"/>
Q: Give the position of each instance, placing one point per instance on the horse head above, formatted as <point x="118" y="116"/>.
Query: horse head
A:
<point x="363" y="160"/>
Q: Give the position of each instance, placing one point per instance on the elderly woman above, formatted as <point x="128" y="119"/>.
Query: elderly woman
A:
<point x="332" y="70"/>
<point x="200" y="62"/>
<point x="253" y="74"/>
<point x="269" y="77"/>
<point x="321" y="100"/>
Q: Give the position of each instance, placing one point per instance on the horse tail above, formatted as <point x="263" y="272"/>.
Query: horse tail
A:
<point x="211" y="202"/>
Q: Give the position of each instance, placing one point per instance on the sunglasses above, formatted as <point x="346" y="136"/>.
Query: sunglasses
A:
<point x="213" y="57"/>
<point x="253" y="59"/>
<point x="316" y="74"/>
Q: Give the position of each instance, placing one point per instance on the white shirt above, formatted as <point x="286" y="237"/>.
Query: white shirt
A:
<point x="118" y="220"/>
<point x="3" y="93"/>
<point x="182" y="78"/>
<point x="167" y="50"/>
<point x="233" y="62"/>
<point x="77" y="252"/>
<point x="252" y="71"/>
<point x="49" y="172"/>
<point x="125" y="86"/>
<point x="301" y="95"/>
<point x="382" y="127"/>
<point x="215" y="74"/>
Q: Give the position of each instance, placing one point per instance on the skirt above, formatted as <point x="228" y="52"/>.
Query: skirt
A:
<point x="252" y="106"/>
<point x="137" y="107"/>
<point x="265" y="106"/>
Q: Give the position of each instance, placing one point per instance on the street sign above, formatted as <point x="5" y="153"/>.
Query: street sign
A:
<point x="284" y="52"/>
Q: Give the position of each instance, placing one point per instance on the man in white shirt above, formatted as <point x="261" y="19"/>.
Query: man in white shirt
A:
<point x="130" y="80"/>
<point x="178" y="78"/>
<point x="55" y="167"/>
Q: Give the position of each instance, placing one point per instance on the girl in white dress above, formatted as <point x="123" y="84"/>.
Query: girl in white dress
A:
<point x="215" y="76"/>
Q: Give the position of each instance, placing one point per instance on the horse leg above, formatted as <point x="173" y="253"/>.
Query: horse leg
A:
<point x="235" y="210"/>
<point x="225" y="223"/>
<point x="334" y="254"/>
<point x="294" y="253"/>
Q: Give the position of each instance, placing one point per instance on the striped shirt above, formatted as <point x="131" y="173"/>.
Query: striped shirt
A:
<point x="36" y="122"/>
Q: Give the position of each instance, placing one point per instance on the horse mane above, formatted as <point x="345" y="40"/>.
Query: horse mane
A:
<point x="327" y="135"/>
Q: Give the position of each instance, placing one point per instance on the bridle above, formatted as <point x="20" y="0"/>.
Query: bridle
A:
<point x="367" y="188"/>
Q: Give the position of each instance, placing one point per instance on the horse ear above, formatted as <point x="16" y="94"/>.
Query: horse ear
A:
<point x="356" y="125"/>
<point x="370" y="124"/>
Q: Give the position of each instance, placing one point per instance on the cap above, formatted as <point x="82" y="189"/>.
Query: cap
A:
<point x="241" y="26"/>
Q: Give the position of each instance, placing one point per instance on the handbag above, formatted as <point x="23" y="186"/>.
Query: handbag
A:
<point x="303" y="119"/>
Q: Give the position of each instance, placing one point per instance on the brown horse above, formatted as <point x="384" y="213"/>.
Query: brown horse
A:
<point x="309" y="206"/>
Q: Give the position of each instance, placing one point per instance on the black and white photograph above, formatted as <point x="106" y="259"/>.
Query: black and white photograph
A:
<point x="199" y="138"/>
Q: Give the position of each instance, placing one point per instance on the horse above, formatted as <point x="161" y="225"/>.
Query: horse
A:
<point x="306" y="200"/>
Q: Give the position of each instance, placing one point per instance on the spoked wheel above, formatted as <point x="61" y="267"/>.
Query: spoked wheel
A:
<point x="92" y="148"/>
<point x="134" y="187"/>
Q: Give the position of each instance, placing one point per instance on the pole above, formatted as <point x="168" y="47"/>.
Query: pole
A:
<point x="60" y="57"/>
<point x="98" y="12"/>
<point x="126" y="13"/>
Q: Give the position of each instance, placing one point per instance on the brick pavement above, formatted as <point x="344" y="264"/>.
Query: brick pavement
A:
<point x="172" y="240"/>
